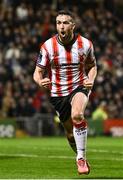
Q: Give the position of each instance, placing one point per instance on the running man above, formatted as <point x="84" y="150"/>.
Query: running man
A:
<point x="73" y="70"/>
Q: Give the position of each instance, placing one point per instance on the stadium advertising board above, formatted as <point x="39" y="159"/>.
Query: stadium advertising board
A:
<point x="7" y="128"/>
<point x="113" y="127"/>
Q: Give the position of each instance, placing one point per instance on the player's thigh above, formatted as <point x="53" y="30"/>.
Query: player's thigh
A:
<point x="78" y="103"/>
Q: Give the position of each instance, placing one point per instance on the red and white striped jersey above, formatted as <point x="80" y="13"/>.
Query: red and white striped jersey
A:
<point x="67" y="63"/>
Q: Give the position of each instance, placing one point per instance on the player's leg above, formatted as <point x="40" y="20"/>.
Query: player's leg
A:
<point x="68" y="126"/>
<point x="79" y="103"/>
<point x="63" y="108"/>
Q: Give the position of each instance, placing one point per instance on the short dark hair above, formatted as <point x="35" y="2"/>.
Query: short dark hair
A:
<point x="65" y="12"/>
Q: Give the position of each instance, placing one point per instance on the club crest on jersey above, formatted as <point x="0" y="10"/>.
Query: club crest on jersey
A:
<point x="81" y="53"/>
<point x="56" y="54"/>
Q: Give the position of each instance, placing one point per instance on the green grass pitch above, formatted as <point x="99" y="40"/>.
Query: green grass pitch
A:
<point x="52" y="158"/>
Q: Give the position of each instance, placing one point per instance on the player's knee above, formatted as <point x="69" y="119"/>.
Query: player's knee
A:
<point x="77" y="117"/>
<point x="79" y="121"/>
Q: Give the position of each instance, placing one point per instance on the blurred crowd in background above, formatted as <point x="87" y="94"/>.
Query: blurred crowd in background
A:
<point x="25" y="25"/>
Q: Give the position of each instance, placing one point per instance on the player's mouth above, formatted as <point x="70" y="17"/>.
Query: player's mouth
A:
<point x="63" y="33"/>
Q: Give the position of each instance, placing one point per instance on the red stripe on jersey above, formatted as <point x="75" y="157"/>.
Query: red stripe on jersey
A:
<point x="69" y="72"/>
<point x="56" y="52"/>
<point x="80" y="46"/>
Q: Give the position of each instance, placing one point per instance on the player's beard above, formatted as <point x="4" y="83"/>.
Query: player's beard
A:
<point x="65" y="38"/>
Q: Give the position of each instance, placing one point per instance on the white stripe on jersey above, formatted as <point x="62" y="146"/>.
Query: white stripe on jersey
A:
<point x="67" y="63"/>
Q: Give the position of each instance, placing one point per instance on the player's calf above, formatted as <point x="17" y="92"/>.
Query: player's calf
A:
<point x="80" y="135"/>
<point x="72" y="142"/>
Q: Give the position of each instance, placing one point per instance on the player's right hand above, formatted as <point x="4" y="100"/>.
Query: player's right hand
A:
<point x="45" y="83"/>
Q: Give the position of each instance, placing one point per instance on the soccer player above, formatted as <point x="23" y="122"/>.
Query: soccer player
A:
<point x="73" y="69"/>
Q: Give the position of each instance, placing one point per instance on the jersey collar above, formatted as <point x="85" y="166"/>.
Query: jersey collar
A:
<point x="71" y="42"/>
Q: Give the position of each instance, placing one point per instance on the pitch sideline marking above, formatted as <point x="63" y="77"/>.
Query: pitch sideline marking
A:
<point x="63" y="157"/>
<point x="52" y="157"/>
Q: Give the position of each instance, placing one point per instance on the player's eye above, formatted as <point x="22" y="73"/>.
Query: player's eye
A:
<point x="58" y="22"/>
<point x="66" y="22"/>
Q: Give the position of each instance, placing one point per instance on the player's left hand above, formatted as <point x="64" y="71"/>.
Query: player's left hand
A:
<point x="87" y="83"/>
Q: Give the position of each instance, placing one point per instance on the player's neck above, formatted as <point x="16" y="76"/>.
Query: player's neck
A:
<point x="66" y="41"/>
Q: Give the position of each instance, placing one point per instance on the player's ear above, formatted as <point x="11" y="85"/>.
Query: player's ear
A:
<point x="73" y="27"/>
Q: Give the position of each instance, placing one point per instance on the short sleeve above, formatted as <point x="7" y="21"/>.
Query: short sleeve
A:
<point x="90" y="60"/>
<point x="43" y="57"/>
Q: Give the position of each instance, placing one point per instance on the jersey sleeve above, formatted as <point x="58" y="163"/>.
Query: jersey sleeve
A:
<point x="90" y="60"/>
<point x="43" y="58"/>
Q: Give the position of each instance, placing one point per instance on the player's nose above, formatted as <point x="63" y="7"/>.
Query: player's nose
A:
<point x="62" y="26"/>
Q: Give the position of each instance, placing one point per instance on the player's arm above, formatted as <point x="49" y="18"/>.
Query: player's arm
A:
<point x="90" y="69"/>
<point x="41" y="64"/>
<point x="38" y="78"/>
<point x="90" y="77"/>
